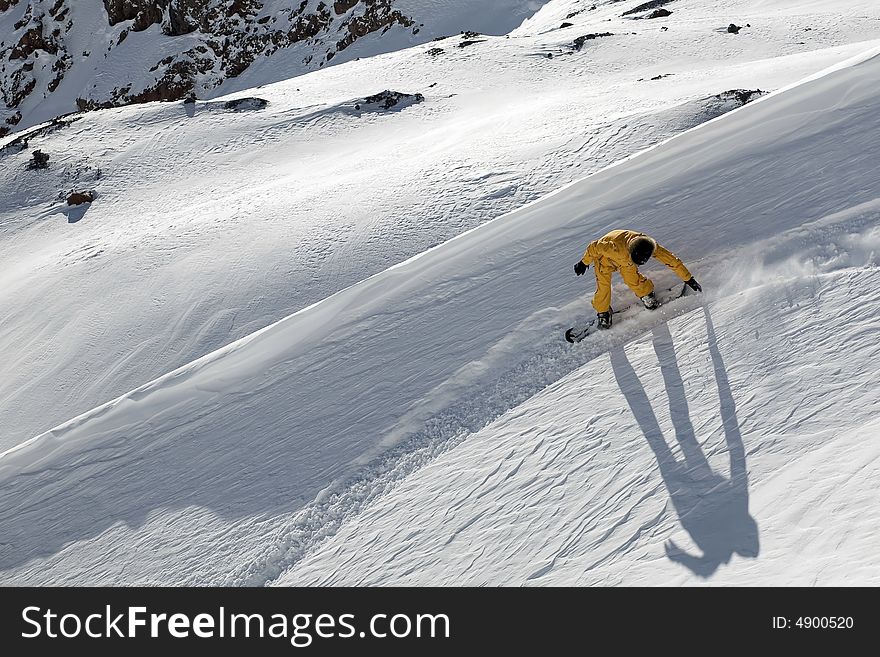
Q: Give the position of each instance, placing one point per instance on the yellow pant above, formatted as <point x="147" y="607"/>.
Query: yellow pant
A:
<point x="631" y="276"/>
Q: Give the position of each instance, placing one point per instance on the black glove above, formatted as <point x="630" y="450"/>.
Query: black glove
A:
<point x="580" y="268"/>
<point x="692" y="283"/>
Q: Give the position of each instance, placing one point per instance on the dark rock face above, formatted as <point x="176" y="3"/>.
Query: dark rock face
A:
<point x="342" y="6"/>
<point x="78" y="198"/>
<point x="37" y="38"/>
<point x="733" y="29"/>
<point x="646" y="6"/>
<point x="387" y="99"/>
<point x="39" y="161"/>
<point x="245" y="104"/>
<point x="184" y="16"/>
<point x="229" y="35"/>
<point x="740" y="96"/>
<point x="581" y="40"/>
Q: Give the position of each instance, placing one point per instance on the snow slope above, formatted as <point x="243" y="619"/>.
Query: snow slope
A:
<point x="433" y="420"/>
<point x="210" y="224"/>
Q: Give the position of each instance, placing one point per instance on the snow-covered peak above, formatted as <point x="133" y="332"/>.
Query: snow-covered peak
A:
<point x="58" y="56"/>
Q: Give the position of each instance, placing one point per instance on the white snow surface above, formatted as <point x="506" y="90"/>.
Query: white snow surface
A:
<point x="428" y="425"/>
<point x="211" y="224"/>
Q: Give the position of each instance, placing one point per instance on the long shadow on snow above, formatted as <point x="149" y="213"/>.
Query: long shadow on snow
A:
<point x="712" y="508"/>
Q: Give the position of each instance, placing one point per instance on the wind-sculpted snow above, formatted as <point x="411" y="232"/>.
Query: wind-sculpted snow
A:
<point x="211" y="222"/>
<point x="235" y="467"/>
<point x="700" y="452"/>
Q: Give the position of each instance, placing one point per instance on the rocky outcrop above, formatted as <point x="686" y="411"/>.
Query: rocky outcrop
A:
<point x="246" y="104"/>
<point x="654" y="4"/>
<point x="78" y="198"/>
<point x="385" y="100"/>
<point x="740" y="96"/>
<point x="39" y="160"/>
<point x="581" y="40"/>
<point x="36" y="48"/>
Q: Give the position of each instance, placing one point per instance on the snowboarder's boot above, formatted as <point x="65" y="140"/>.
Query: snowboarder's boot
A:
<point x="604" y="320"/>
<point x="651" y="302"/>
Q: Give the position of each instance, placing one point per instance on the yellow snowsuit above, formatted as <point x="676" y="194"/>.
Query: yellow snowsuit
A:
<point x="611" y="253"/>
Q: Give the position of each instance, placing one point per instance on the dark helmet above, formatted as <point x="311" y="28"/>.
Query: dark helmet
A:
<point x="641" y="249"/>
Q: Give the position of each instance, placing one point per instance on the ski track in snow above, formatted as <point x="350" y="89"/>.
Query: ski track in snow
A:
<point x="531" y="454"/>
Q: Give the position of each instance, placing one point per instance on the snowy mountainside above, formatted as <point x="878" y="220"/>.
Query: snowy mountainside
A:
<point x="441" y="388"/>
<point x="211" y="221"/>
<point x="60" y="56"/>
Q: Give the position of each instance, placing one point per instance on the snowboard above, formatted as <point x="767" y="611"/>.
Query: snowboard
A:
<point x="579" y="332"/>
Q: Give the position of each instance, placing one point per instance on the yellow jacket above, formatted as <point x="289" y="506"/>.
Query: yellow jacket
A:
<point x="612" y="252"/>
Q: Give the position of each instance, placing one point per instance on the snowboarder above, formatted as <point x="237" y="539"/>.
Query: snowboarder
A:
<point x="625" y="251"/>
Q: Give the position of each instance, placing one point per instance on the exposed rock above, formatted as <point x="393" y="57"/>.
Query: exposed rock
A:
<point x="78" y="198"/>
<point x="39" y="161"/>
<point x="566" y="25"/>
<point x="435" y="51"/>
<point x="733" y="28"/>
<point x="342" y="6"/>
<point x="31" y="41"/>
<point x="646" y="6"/>
<point x="122" y="10"/>
<point x="36" y="38"/>
<point x="388" y="99"/>
<point x="14" y="119"/>
<point x="469" y="38"/>
<point x="579" y="42"/>
<point x="659" y="13"/>
<point x="740" y="96"/>
<point x="245" y="104"/>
